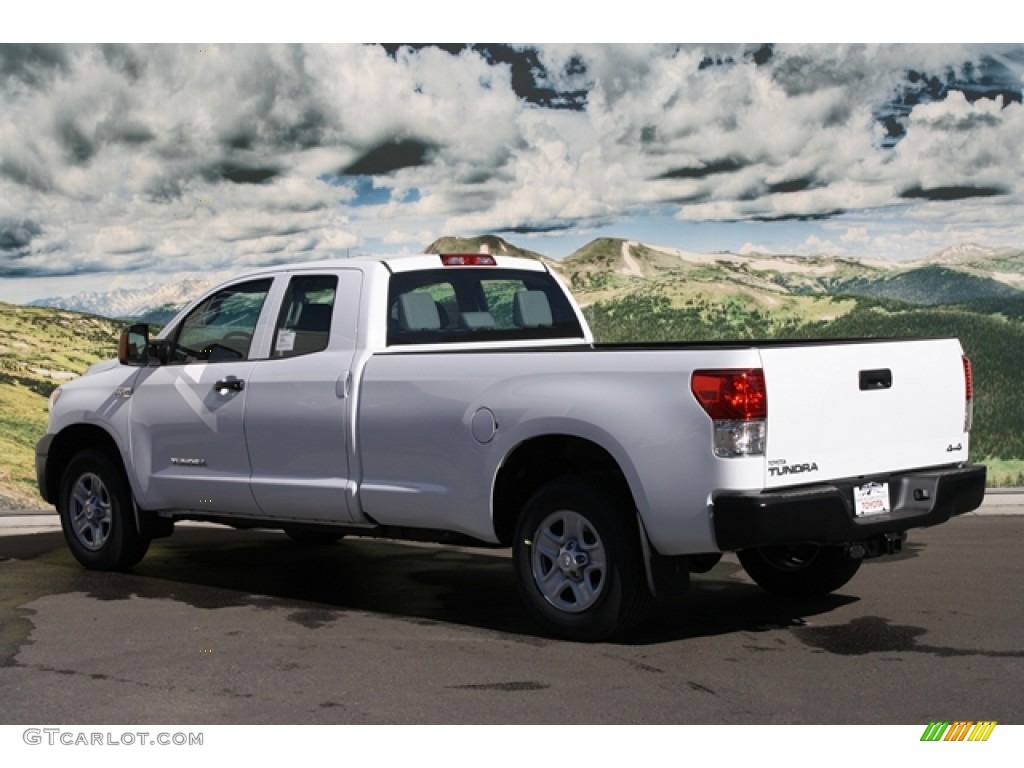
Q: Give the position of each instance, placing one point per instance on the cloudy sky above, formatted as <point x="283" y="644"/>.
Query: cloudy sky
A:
<point x="121" y="165"/>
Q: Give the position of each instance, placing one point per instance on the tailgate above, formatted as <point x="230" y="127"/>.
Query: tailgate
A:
<point x="844" y="410"/>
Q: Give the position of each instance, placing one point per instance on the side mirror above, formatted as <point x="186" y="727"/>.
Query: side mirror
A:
<point x="133" y="346"/>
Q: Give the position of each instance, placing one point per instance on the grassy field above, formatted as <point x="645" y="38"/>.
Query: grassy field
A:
<point x="1005" y="473"/>
<point x="39" y="350"/>
<point x="22" y="423"/>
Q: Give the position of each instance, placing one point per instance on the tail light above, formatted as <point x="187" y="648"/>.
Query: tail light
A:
<point x="737" y="402"/>
<point x="968" y="395"/>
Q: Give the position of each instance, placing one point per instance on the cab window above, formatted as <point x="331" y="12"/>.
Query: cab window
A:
<point x="220" y="329"/>
<point x="468" y="305"/>
<point x="304" y="324"/>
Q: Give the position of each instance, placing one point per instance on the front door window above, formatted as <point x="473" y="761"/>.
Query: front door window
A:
<point x="220" y="329"/>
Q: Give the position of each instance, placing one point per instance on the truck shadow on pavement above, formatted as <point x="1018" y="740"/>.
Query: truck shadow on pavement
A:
<point x="211" y="568"/>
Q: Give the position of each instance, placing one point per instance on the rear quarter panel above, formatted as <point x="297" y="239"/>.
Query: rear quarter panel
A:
<point x="421" y="465"/>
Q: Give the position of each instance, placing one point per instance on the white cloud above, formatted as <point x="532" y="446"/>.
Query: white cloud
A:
<point x="402" y="237"/>
<point x="192" y="158"/>
<point x="119" y="240"/>
<point x="855" y="235"/>
<point x="815" y="246"/>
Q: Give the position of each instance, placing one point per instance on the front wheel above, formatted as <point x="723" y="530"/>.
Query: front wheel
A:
<point x="799" y="570"/>
<point x="577" y="561"/>
<point x="97" y="514"/>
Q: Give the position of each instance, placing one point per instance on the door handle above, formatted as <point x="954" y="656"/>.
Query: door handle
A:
<point x="878" y="379"/>
<point x="229" y="385"/>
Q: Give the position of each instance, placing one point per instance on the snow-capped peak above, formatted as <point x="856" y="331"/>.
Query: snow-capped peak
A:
<point x="130" y="302"/>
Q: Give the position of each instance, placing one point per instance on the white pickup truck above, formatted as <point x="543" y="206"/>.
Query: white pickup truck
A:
<point x="461" y="398"/>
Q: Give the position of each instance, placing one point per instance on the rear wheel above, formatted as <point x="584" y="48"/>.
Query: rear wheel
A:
<point x="97" y="514"/>
<point x="578" y="563"/>
<point x="800" y="570"/>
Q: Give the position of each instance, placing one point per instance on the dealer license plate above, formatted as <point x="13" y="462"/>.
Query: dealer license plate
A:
<point x="871" y="499"/>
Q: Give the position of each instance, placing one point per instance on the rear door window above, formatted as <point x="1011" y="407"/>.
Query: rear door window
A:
<point x="304" y="323"/>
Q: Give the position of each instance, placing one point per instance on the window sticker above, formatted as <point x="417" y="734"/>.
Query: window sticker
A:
<point x="285" y="340"/>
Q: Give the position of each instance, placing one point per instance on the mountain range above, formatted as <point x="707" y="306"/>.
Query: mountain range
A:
<point x="606" y="267"/>
<point x="155" y="302"/>
<point x="963" y="273"/>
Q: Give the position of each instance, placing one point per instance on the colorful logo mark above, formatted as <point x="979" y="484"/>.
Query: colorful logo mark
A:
<point x="959" y="730"/>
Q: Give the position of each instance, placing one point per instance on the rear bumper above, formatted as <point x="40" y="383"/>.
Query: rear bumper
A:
<point x="824" y="514"/>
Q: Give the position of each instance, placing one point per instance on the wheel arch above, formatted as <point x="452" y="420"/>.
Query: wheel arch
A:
<point x="70" y="441"/>
<point x="537" y="461"/>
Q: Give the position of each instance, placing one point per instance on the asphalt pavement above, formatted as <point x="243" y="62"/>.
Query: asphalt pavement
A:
<point x="219" y="627"/>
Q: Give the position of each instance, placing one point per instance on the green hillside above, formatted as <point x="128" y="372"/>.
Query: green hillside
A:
<point x="1011" y="308"/>
<point x="39" y="350"/>
<point x="933" y="284"/>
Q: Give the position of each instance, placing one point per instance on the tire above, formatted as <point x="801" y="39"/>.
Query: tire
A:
<point x="801" y="570"/>
<point x="578" y="562"/>
<point x="313" y="538"/>
<point x="97" y="514"/>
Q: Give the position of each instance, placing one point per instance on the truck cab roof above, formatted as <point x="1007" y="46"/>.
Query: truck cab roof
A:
<point x="411" y="263"/>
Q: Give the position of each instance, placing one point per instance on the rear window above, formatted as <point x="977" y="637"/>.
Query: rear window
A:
<point x="466" y="304"/>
